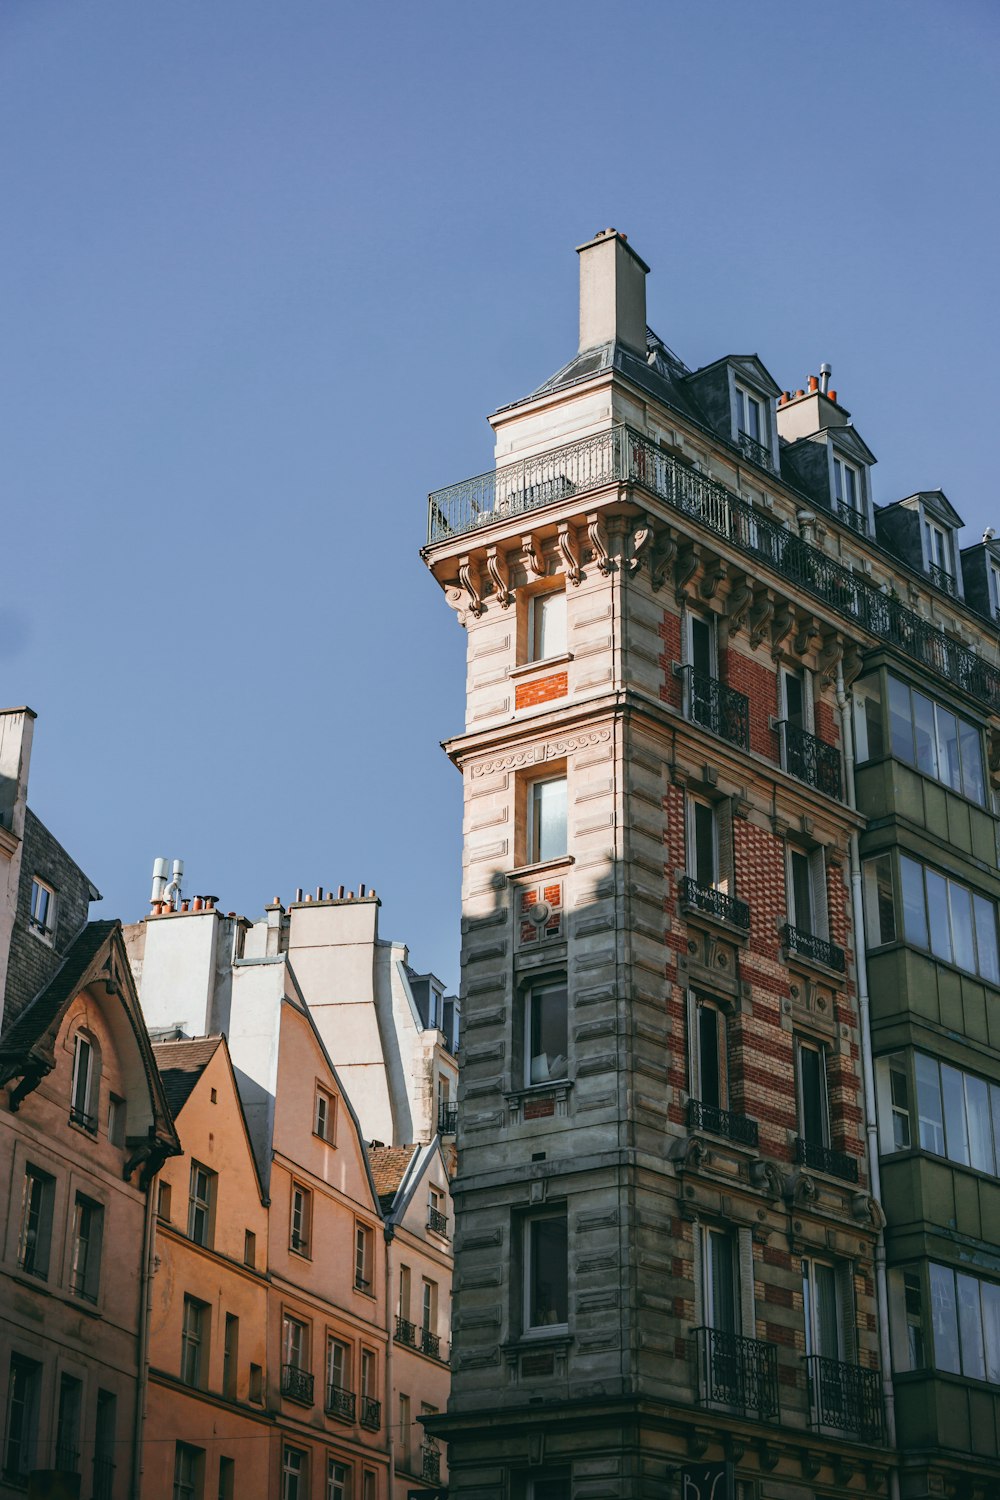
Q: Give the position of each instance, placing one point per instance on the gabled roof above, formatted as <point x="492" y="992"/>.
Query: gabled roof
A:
<point x="933" y="500"/>
<point x="389" y="1166"/>
<point x="34" y="1031"/>
<point x="181" y="1064"/>
<point x="751" y="365"/>
<point x="848" y="438"/>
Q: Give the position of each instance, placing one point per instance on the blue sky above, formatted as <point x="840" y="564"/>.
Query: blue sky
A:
<point x="268" y="266"/>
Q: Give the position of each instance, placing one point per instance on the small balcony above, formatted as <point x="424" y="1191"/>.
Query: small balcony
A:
<point x="437" y="1221"/>
<point x="85" y="1121"/>
<point x="430" y="1344"/>
<point x="297" y="1384"/>
<point x="848" y="516"/>
<point x="756" y="452"/>
<point x="371" y="1413"/>
<point x="809" y="759"/>
<point x="447" y="1119"/>
<point x="846" y="1398"/>
<point x="713" y="903"/>
<point x="942" y="579"/>
<point x="341" y="1402"/>
<point x="406" y="1333"/>
<point x="67" y="1458"/>
<point x="104" y="1478"/>
<point x="738" y="1374"/>
<point x="721" y="1122"/>
<point x="430" y="1463"/>
<point x="714" y="706"/>
<point x="826" y="1159"/>
<point x="813" y="949"/>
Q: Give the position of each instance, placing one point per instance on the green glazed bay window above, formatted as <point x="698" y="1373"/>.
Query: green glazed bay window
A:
<point x="931" y="911"/>
<point x="922" y="734"/>
<point x="957" y="1114"/>
<point x="963" y="1323"/>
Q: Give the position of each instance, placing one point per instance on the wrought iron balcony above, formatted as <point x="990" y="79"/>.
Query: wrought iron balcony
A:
<point x="67" y="1458"/>
<point x="845" y="1397"/>
<point x="371" y="1412"/>
<point x="104" y="1478"/>
<point x="437" y="1221"/>
<point x="737" y="1373"/>
<point x="621" y="456"/>
<point x="809" y="759"/>
<point x="826" y="1159"/>
<point x="297" y="1384"/>
<point x="855" y="519"/>
<point x="817" y="950"/>
<point x="447" y="1119"/>
<point x="721" y="1122"/>
<point x="942" y="579"/>
<point x="714" y="706"/>
<point x="406" y="1333"/>
<point x="430" y="1343"/>
<point x="430" y="1463"/>
<point x="713" y="903"/>
<point x="341" y="1402"/>
<point x="85" y="1121"/>
<point x="756" y="452"/>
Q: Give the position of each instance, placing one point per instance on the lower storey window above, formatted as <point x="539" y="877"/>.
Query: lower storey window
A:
<point x="21" y="1438"/>
<point x="946" y="1319"/>
<point x="188" y="1472"/>
<point x="546" y="1281"/>
<point x="294" y="1481"/>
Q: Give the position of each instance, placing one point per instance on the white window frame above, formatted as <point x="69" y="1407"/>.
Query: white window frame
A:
<point x="938" y="537"/>
<point x="363" y="1269"/>
<point x="294" y="1472"/>
<point x="538" y="605"/>
<point x="295" y="1341"/>
<point x="744" y="398"/>
<point x="338" y="1485"/>
<point x="533" y="829"/>
<point x="42" y="913"/>
<point x="325" y="1115"/>
<point x="697" y="1004"/>
<point x="86" y="1246"/>
<point x="193" y="1342"/>
<point x="39" y="1252"/>
<point x="300" y="1220"/>
<point x="807" y="1044"/>
<point x="993" y="580"/>
<point x="535" y="995"/>
<point x="82" y="1090"/>
<point x="842" y="467"/>
<point x="692" y="842"/>
<point x="540" y="1330"/>
<point x="200" y="1204"/>
<point x="818" y="925"/>
<point x="810" y="1320"/>
<point x="333" y="1345"/>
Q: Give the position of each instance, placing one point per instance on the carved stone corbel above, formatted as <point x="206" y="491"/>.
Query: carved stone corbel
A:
<point x="662" y="555"/>
<point x="781" y="625"/>
<point x="830" y="656"/>
<point x="807" y="630"/>
<point x="767" y="1177"/>
<point x="532" y="553"/>
<point x="641" y="542"/>
<point x="760" y="616"/>
<point x="738" y="604"/>
<point x="455" y="598"/>
<point x="716" y="570"/>
<point x="689" y="1154"/>
<point x="852" y="664"/>
<point x="800" y="1188"/>
<point x="496" y="566"/>
<point x="868" y="1210"/>
<point x="569" y="552"/>
<point x="599" y="542"/>
<point x="468" y="573"/>
<point x="810" y="1463"/>
<point x="686" y="567"/>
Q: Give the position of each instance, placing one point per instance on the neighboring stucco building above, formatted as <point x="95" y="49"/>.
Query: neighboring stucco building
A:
<point x="722" y="709"/>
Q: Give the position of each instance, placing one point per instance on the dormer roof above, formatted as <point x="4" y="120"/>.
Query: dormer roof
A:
<point x="935" y="501"/>
<point x="750" y="366"/>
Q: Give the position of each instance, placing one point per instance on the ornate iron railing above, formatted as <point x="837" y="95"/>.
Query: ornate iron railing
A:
<point x="437" y="1221"/>
<point x="67" y="1458"/>
<point x="622" y="456"/>
<point x="104" y="1478"/>
<point x="371" y="1412"/>
<point x="942" y="579"/>
<point x="826" y="1159"/>
<point x="430" y="1343"/>
<point x="85" y="1121"/>
<point x="447" y="1119"/>
<point x="846" y="1397"/>
<point x="406" y="1332"/>
<point x="297" y="1384"/>
<point x="756" y="452"/>
<point x="737" y="1372"/>
<point x="705" y="898"/>
<point x="716" y="707"/>
<point x="855" y="519"/>
<point x="721" y="1122"/>
<point x="430" y="1463"/>
<point x="341" y="1402"/>
<point x="809" y="946"/>
<point x="809" y="759"/>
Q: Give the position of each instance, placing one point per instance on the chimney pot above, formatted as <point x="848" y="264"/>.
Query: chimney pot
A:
<point x="799" y="392"/>
<point x="319" y="893"/>
<point x="832" y="395"/>
<point x="340" y="893"/>
<point x="813" y="384"/>
<point x="197" y="904"/>
<point x="361" y="890"/>
<point x="298" y="893"/>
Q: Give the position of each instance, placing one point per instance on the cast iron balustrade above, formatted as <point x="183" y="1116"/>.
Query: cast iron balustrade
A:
<point x="738" y="1373"/>
<point x="447" y="1119"/>
<point x="297" y="1384"/>
<point x="809" y="759"/>
<point x="430" y="1343"/>
<point x="826" y="1159"/>
<point x="846" y="1397"/>
<point x="430" y="1463"/>
<point x="851" y="517"/>
<point x="721" y="1122"/>
<point x="621" y="456"/>
<point x="756" y="452"/>
<point x="67" y="1458"/>
<point x="341" y="1402"/>
<point x="371" y="1412"/>
<point x="406" y="1332"/>
<point x="716" y="707"/>
<point x="104" y="1478"/>
<point x="942" y="579"/>
<point x="85" y="1121"/>
<point x="437" y="1221"/>
<point x="705" y="898"/>
<point x="808" y="945"/>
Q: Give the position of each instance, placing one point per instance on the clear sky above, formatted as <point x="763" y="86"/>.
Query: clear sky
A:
<point x="268" y="264"/>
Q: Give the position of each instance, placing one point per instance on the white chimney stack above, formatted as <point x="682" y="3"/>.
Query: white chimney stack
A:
<point x="612" y="293"/>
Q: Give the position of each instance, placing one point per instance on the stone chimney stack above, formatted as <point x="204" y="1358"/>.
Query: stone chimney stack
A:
<point x="612" y="293"/>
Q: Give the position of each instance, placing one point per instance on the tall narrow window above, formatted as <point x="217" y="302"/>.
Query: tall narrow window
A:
<point x="711" y="1085"/>
<point x="324" y="1115"/>
<point x="338" y="1479"/>
<point x="301" y="1226"/>
<point x="429" y="1306"/>
<point x="823" y="1311"/>
<point x="795" y="704"/>
<point x="116" y="1120"/>
<point x="21" y="1438"/>
<point x="546" y="1038"/>
<point x="749" y="416"/>
<point x="82" y="1111"/>
<point x="68" y="1424"/>
<point x="338" y="1374"/>
<point x="362" y="1258"/>
<point x="369" y="1485"/>
<point x="721" y="1282"/>
<point x="105" y="1435"/>
<point x="847" y="485"/>
<point x="227" y="1479"/>
<point x="703" y="843"/>
<point x="405" y="1433"/>
<point x="295" y="1342"/>
<point x="547" y="625"/>
<point x="880" y="911"/>
<point x="249" y="1248"/>
<point x="36" y="1222"/>
<point x="193" y="1353"/>
<point x="42" y="913"/>
<point x="892" y="1078"/>
<point x="368" y="1371"/>
<point x="200" y="1204"/>
<point x="814" y="1118"/>
<point x="231" y="1357"/>
<point x="405" y="1280"/>
<point x="294" y="1484"/>
<point x="546" y="1281"/>
<point x="88" y="1234"/>
<point x="546" y="819"/>
<point x="189" y="1472"/>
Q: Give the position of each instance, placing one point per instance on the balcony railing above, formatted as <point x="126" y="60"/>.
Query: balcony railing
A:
<point x="67" y="1458"/>
<point x="437" y="1221"/>
<point x="430" y="1463"/>
<point x="85" y="1121"/>
<point x="738" y="1373"/>
<point x="807" y="945"/>
<point x="826" y="1159"/>
<point x="341" y="1402"/>
<point x="716" y="707"/>
<point x="855" y="519"/>
<point x="406" y="1333"/>
<point x="104" y="1478"/>
<point x="705" y="898"/>
<point x="845" y="1397"/>
<point x="809" y="759"/>
<point x="942" y="579"/>
<point x="297" y="1384"/>
<point x="447" y="1119"/>
<point x="620" y="456"/>
<point x="756" y="452"/>
<point x="371" y="1412"/>
<point x="721" y="1122"/>
<point x="430" y="1343"/>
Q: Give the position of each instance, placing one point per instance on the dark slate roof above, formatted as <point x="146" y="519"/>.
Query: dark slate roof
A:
<point x="41" y="1015"/>
<point x="389" y="1164"/>
<point x="181" y="1064"/>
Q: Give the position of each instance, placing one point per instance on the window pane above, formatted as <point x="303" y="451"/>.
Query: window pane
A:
<point x="970" y="1325"/>
<point x="880" y="916"/>
<point x="960" y="901"/>
<point x="753" y="418"/>
<point x="812" y="1088"/>
<point x="549" y="819"/>
<point x="937" y="907"/>
<point x="991" y="1329"/>
<point x="977" y="1110"/>
<point x="794" y="700"/>
<point x="704" y="844"/>
<point x="929" y="1105"/>
<point x="549" y="620"/>
<point x="900" y="723"/>
<point x="986" y="938"/>
<point x="956" y="1136"/>
<point x="944" y="1319"/>
<point x="802" y="914"/>
<point x="721" y="1282"/>
<point x="914" y="911"/>
<point x="899" y="1095"/>
<point x="548" y="1291"/>
<point x="973" y="782"/>
<point x="867" y="720"/>
<point x="827" y="1330"/>
<point x="923" y="725"/>
<point x="702" y="655"/>
<point x="949" y="768"/>
<point x="710" y="1060"/>
<point x="547" y="1041"/>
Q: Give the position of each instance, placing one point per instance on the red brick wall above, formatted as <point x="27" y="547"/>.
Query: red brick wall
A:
<point x="541" y="690"/>
<point x="670" y="634"/>
<point x="757" y="680"/>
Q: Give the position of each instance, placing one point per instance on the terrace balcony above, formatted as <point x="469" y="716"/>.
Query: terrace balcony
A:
<point x="809" y="759"/>
<point x="738" y="1374"/>
<point x="845" y="1397"/>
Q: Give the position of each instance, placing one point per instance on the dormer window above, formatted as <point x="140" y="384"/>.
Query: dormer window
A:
<point x="940" y="566"/>
<point x="847" y="486"/>
<point x="751" y="427"/>
<point x="994" y="581"/>
<point x="42" y="913"/>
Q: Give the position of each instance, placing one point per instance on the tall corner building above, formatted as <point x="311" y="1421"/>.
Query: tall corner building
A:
<point x="729" y="1117"/>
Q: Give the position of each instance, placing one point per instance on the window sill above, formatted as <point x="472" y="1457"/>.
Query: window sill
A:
<point x="364" y="1291"/>
<point x="545" y="664"/>
<point x="44" y="935"/>
<point x="543" y="867"/>
<point x="555" y="1093"/>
